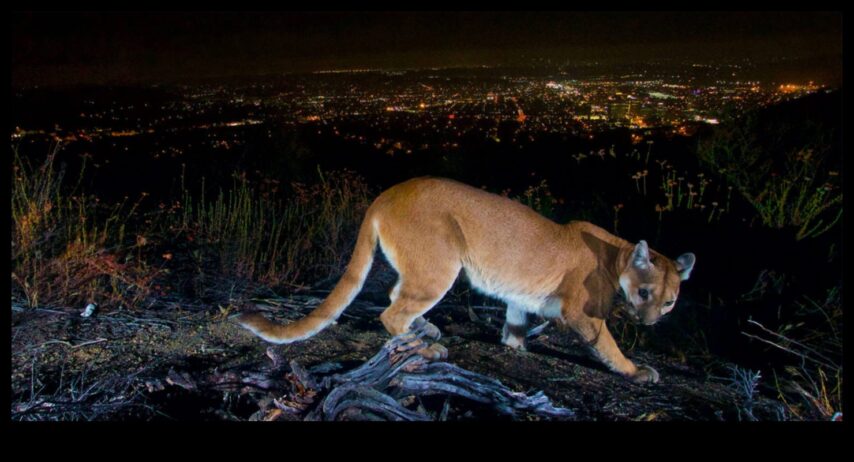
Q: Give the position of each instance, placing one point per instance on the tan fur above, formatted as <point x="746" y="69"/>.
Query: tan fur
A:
<point x="431" y="228"/>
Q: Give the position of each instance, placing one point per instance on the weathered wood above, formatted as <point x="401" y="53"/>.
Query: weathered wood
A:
<point x="388" y="361"/>
<point x="366" y="399"/>
<point x="448" y="379"/>
<point x="377" y="388"/>
<point x="303" y="376"/>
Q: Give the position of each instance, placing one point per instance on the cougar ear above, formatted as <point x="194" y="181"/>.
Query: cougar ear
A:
<point x="684" y="265"/>
<point x="640" y="256"/>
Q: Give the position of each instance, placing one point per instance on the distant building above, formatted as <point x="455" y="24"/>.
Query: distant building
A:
<point x="619" y="112"/>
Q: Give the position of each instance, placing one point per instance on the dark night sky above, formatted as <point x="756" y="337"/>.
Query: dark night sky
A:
<point x="50" y="48"/>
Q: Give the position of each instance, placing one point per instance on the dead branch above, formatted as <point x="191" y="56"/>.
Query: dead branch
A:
<point x="822" y="361"/>
<point x="362" y="402"/>
<point x="378" y="388"/>
<point x="445" y="378"/>
<point x="388" y="386"/>
<point x="182" y="380"/>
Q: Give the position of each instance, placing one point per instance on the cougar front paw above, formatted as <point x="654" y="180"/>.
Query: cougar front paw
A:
<point x="645" y="374"/>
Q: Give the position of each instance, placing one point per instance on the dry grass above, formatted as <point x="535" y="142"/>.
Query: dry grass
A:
<point x="79" y="399"/>
<point x="811" y="388"/>
<point x="67" y="247"/>
<point x="256" y="235"/>
<point x="70" y="249"/>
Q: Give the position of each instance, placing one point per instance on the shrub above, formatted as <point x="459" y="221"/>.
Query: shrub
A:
<point x="745" y="382"/>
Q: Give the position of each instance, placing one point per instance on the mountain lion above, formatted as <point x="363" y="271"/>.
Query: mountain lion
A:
<point x="431" y="228"/>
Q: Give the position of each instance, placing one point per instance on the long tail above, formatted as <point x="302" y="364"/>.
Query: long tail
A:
<point x="327" y="312"/>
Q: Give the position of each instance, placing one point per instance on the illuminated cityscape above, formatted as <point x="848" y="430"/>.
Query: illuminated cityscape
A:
<point x="401" y="112"/>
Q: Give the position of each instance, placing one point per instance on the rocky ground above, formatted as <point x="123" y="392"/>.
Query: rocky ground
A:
<point x="186" y="362"/>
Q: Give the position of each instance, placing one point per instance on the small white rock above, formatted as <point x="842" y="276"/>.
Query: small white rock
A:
<point x="90" y="308"/>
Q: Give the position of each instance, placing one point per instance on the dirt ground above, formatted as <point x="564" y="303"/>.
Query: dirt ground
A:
<point x="165" y="363"/>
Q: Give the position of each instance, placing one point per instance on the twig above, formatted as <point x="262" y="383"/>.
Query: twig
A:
<point x="66" y="343"/>
<point x="830" y="363"/>
<point x="801" y="355"/>
<point x="20" y="309"/>
<point x="537" y="330"/>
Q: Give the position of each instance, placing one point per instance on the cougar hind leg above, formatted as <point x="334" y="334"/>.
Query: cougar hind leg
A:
<point x="427" y="268"/>
<point x="414" y="297"/>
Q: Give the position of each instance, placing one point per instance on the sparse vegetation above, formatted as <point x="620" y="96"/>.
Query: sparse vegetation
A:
<point x="263" y="237"/>
<point x="67" y="247"/>
<point x="745" y="382"/>
<point x="788" y="187"/>
<point x="811" y="387"/>
<point x="539" y="197"/>
<point x="79" y="399"/>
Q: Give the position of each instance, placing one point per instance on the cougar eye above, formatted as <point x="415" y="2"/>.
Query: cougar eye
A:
<point x="670" y="303"/>
<point x="643" y="293"/>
